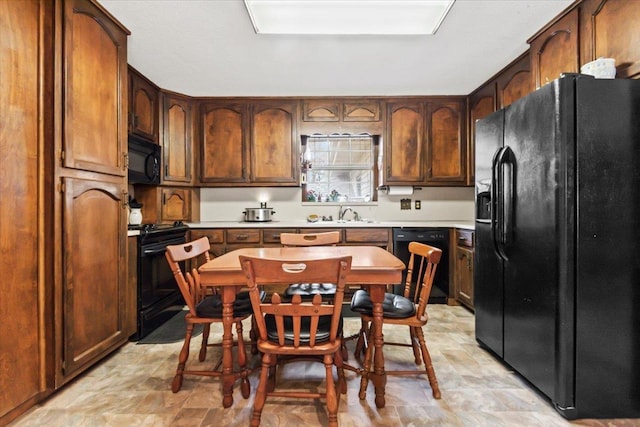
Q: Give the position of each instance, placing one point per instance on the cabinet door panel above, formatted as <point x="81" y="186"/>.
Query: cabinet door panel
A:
<point x="143" y="107"/>
<point x="515" y="81"/>
<point x="23" y="350"/>
<point x="95" y="60"/>
<point x="176" y="204"/>
<point x="274" y="158"/>
<point x="464" y="275"/>
<point x="481" y="104"/>
<point x="610" y="29"/>
<point x="93" y="286"/>
<point x="404" y="145"/>
<point x="556" y="50"/>
<point x="176" y="146"/>
<point x="224" y="144"/>
<point x="446" y="156"/>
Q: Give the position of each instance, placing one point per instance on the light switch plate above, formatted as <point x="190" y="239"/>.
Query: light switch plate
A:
<point x="405" y="204"/>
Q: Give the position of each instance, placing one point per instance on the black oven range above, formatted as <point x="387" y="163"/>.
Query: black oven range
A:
<point x="159" y="298"/>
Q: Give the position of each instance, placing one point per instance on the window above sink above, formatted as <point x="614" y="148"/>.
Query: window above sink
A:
<point x="339" y="168"/>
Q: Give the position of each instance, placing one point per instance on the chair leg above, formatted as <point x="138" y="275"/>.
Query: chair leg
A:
<point x="205" y="340"/>
<point x="253" y="336"/>
<point x="332" y="397"/>
<point x="273" y="371"/>
<point x="176" y="384"/>
<point x="431" y="373"/>
<point x="415" y="346"/>
<point x="245" y="387"/>
<point x="342" y="382"/>
<point x="261" y="392"/>
<point x="368" y="356"/>
<point x="361" y="343"/>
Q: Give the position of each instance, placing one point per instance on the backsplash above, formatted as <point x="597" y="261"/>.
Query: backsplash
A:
<point x="437" y="203"/>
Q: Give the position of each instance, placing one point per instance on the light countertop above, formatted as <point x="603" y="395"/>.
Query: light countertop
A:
<point x="468" y="225"/>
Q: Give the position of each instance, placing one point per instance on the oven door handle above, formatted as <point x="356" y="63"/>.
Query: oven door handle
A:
<point x="154" y="251"/>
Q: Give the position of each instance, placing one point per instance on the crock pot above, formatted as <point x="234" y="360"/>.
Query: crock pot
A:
<point x="262" y="214"/>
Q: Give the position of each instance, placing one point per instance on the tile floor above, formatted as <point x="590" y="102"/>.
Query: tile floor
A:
<point x="132" y="388"/>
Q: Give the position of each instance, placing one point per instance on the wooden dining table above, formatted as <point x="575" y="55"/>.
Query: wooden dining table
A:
<point x="371" y="267"/>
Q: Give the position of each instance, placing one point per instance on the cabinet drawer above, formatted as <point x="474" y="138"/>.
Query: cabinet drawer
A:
<point x="243" y="236"/>
<point x="366" y="235"/>
<point x="464" y="238"/>
<point x="214" y="236"/>
<point x="272" y="235"/>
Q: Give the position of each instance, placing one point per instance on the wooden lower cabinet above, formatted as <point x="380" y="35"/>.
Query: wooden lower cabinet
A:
<point x="463" y="270"/>
<point x="93" y="287"/>
<point x="130" y="309"/>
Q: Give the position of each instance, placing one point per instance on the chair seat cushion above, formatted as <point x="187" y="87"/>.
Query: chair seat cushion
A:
<point x="394" y="306"/>
<point x="310" y="289"/>
<point x="322" y="335"/>
<point x="211" y="306"/>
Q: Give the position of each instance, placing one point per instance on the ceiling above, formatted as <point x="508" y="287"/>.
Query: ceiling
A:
<point x="209" y="48"/>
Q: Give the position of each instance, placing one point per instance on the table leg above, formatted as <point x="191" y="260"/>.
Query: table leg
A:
<point x="228" y="378"/>
<point x="378" y="376"/>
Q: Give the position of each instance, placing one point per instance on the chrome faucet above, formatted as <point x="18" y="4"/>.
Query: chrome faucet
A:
<point x="342" y="211"/>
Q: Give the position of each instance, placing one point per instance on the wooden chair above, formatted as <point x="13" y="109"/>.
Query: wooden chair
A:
<point x="205" y="309"/>
<point x="298" y="329"/>
<point x="408" y="309"/>
<point x="308" y="290"/>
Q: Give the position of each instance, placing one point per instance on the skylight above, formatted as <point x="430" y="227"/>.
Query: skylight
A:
<point x="349" y="17"/>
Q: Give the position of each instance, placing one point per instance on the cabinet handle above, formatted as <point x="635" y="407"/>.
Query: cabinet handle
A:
<point x="242" y="237"/>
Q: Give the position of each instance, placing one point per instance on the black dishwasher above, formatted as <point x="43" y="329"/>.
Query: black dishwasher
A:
<point x="436" y="237"/>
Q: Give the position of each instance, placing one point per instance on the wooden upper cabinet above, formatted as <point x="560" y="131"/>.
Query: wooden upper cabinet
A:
<point x="336" y="110"/>
<point x="225" y="144"/>
<point x="143" y="106"/>
<point x="361" y="111"/>
<point x="177" y="140"/>
<point x="321" y="110"/>
<point x="446" y="143"/>
<point x="274" y="144"/>
<point x="514" y="82"/>
<point x="404" y="152"/>
<point x="556" y="50"/>
<point x="609" y="28"/>
<point x="94" y="126"/>
<point x="168" y="204"/>
<point x="176" y="204"/>
<point x="481" y="103"/>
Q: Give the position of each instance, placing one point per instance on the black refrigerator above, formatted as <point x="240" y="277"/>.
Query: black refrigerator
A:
<point x="557" y="258"/>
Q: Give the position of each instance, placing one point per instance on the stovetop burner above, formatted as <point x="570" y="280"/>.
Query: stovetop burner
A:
<point x="155" y="233"/>
<point x="154" y="228"/>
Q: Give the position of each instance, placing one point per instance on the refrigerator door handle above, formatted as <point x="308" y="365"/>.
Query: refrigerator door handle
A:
<point x="503" y="181"/>
<point x="495" y="186"/>
<point x="508" y="167"/>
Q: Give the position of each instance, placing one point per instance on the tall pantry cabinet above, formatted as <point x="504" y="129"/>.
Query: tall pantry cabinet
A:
<point x="63" y="231"/>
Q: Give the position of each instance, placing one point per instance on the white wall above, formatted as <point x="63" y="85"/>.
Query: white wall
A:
<point x="227" y="204"/>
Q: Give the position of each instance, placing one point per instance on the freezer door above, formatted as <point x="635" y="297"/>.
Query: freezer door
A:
<point x="538" y="132"/>
<point x="608" y="282"/>
<point x="488" y="274"/>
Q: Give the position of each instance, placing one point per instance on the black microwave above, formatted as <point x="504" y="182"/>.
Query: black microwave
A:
<point x="144" y="161"/>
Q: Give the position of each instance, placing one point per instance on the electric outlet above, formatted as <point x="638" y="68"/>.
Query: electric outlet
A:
<point x="418" y="204"/>
<point x="405" y="204"/>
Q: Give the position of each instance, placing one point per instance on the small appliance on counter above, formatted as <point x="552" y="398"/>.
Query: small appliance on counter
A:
<point x="261" y="214"/>
<point x="135" y="212"/>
